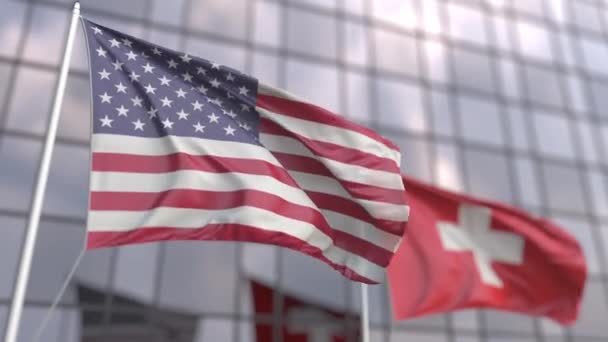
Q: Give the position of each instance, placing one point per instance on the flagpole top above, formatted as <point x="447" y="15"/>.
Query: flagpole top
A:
<point x="77" y="7"/>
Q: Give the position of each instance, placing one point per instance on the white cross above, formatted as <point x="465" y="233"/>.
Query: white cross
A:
<point x="473" y="233"/>
<point x="318" y="325"/>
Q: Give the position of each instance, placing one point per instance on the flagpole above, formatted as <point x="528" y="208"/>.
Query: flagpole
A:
<point x="27" y="251"/>
<point x="364" y="314"/>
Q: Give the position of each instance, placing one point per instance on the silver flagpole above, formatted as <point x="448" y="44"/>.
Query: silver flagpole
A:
<point x="27" y="252"/>
<point x="364" y="314"/>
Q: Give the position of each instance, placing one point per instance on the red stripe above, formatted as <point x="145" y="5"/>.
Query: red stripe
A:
<point x="213" y="200"/>
<point x="152" y="164"/>
<point x="332" y="151"/>
<point x="353" y="209"/>
<point x="221" y="232"/>
<point x="356" y="190"/>
<point x="316" y="114"/>
<point x="118" y="162"/>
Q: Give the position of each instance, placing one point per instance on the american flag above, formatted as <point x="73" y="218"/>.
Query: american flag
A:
<point x="187" y="149"/>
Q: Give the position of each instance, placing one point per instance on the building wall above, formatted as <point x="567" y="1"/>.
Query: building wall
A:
<point x="505" y="99"/>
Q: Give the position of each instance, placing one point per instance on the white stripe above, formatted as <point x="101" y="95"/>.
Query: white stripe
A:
<point x="197" y="218"/>
<point x="200" y="180"/>
<point x="343" y="171"/>
<point x="327" y="185"/>
<point x="363" y="230"/>
<point x="332" y="134"/>
<point x="195" y="180"/>
<point x="115" y="143"/>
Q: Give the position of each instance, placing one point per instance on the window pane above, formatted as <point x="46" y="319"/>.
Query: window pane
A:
<point x="509" y="76"/>
<point x="506" y="321"/>
<point x="595" y="55"/>
<point x="314" y="82"/>
<point x="259" y="262"/>
<point x="25" y="114"/>
<point x="167" y="12"/>
<point x="593" y="309"/>
<point x="11" y="17"/>
<point x="310" y="278"/>
<point x="357" y="87"/>
<point x="75" y="116"/>
<point x="488" y="175"/>
<point x="518" y="128"/>
<point x="311" y="33"/>
<point x="5" y="71"/>
<point x="599" y="196"/>
<point x="224" y="54"/>
<point x="329" y="4"/>
<point x="430" y="17"/>
<point x="12" y="231"/>
<point x="49" y="27"/>
<point x="473" y="70"/>
<point x="533" y="7"/>
<point x="20" y="159"/>
<point x="577" y="95"/>
<point x="527" y="182"/>
<point x="443" y="118"/>
<point x="543" y="86"/>
<point x="68" y="184"/>
<point x="214" y="16"/>
<point x="400" y="106"/>
<point x="355" y="40"/>
<point x="436" y="61"/>
<point x="586" y="16"/>
<point x="501" y="27"/>
<point x="447" y="167"/>
<point x="534" y="41"/>
<point x="57" y="247"/>
<point x="135" y="271"/>
<point x="267" y="20"/>
<point x="466" y="319"/>
<point x="563" y="186"/>
<point x="214" y="330"/>
<point x="480" y="121"/>
<point x="586" y="135"/>
<point x="599" y="94"/>
<point x="553" y="134"/>
<point x="266" y="68"/>
<point x="398" y="336"/>
<point x="396" y="53"/>
<point x="199" y="276"/>
<point x="415" y="156"/>
<point x="466" y="24"/>
<point x="397" y="12"/>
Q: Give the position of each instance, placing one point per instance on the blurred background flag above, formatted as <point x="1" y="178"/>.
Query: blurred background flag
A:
<point x="187" y="149"/>
<point x="304" y="320"/>
<point x="463" y="252"/>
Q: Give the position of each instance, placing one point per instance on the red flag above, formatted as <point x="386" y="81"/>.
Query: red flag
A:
<point x="304" y="321"/>
<point x="462" y="252"/>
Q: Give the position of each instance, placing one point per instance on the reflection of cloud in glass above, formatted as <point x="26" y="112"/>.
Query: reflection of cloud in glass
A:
<point x="446" y="174"/>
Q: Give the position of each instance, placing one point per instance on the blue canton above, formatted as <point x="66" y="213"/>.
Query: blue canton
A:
<point x="142" y="89"/>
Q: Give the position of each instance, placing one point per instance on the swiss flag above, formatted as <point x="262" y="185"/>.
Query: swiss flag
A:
<point x="462" y="252"/>
<point x="303" y="321"/>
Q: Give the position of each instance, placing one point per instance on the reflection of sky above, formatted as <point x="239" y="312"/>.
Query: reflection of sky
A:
<point x="202" y="276"/>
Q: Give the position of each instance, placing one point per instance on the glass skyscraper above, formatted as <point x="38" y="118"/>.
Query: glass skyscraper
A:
<point x="504" y="99"/>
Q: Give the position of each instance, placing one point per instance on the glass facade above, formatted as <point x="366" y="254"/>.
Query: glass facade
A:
<point x="505" y="99"/>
